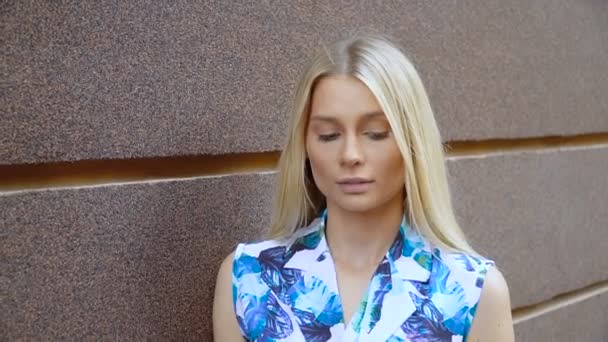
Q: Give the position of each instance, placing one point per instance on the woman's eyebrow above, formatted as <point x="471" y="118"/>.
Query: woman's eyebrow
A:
<point x="326" y="118"/>
<point x="330" y="118"/>
<point x="373" y="115"/>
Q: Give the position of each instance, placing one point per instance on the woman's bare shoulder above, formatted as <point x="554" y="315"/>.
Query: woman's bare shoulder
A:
<point x="224" y="275"/>
<point x="225" y="326"/>
<point x="493" y="321"/>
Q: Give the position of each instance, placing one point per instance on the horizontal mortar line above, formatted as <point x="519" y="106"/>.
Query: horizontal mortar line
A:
<point x="86" y="173"/>
<point x="481" y="148"/>
<point x="53" y="175"/>
<point x="525" y="313"/>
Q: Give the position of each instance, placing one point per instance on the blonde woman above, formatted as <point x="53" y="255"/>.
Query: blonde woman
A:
<point x="363" y="245"/>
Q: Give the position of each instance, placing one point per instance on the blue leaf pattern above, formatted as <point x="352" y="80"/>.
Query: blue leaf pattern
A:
<point x="308" y="293"/>
<point x="275" y="302"/>
<point x="278" y="323"/>
<point x="278" y="278"/>
<point x="465" y="261"/>
<point x="312" y="329"/>
<point x="255" y="314"/>
<point x="381" y="284"/>
<point x="426" y="324"/>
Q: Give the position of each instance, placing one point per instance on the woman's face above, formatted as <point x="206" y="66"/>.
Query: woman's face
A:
<point x="354" y="158"/>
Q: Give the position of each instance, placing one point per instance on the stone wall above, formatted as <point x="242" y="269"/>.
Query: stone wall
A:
<point x="139" y="141"/>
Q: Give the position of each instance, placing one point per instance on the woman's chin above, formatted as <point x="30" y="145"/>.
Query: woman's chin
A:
<point x="357" y="203"/>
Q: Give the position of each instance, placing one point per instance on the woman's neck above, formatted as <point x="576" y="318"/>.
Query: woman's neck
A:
<point x="361" y="239"/>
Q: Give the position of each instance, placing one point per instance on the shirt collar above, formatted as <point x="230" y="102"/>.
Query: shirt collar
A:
<point x="410" y="254"/>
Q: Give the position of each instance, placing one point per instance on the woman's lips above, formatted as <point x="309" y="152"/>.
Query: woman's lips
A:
<point x="355" y="186"/>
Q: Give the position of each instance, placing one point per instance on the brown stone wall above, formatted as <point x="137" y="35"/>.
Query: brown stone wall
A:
<point x="139" y="139"/>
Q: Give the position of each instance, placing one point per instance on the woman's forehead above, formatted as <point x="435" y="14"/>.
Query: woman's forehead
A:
<point x="338" y="117"/>
<point x="342" y="97"/>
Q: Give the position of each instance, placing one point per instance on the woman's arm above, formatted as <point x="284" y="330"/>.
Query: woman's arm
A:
<point x="225" y="326"/>
<point x="493" y="321"/>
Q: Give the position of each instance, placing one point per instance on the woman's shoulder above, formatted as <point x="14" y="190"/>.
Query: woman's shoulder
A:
<point x="276" y="245"/>
<point x="242" y="271"/>
<point x="246" y="256"/>
<point x="456" y="284"/>
<point x="463" y="263"/>
<point x="259" y="277"/>
<point x="481" y="290"/>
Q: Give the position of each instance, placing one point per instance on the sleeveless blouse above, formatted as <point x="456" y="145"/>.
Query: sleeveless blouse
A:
<point x="286" y="290"/>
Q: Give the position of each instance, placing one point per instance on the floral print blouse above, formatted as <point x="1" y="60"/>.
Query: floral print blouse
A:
<point x="286" y="290"/>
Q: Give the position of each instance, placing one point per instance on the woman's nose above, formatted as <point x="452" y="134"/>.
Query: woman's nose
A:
<point x="351" y="152"/>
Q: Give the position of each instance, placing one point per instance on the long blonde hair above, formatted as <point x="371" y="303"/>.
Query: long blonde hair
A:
<point x="382" y="66"/>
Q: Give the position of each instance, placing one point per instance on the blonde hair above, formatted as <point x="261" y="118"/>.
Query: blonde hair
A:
<point x="382" y="66"/>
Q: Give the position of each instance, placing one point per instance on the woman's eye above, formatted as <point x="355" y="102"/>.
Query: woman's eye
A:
<point x="377" y="135"/>
<point x="328" y="137"/>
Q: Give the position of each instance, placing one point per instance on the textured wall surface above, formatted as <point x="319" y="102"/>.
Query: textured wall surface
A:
<point x="584" y="321"/>
<point x="540" y="215"/>
<point x="140" y="259"/>
<point x="123" y="262"/>
<point x="137" y="260"/>
<point x="105" y="79"/>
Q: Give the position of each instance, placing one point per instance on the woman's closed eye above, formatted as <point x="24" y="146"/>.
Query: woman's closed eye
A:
<point x="377" y="135"/>
<point x="329" y="137"/>
<point x="371" y="134"/>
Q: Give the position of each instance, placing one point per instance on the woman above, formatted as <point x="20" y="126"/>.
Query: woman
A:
<point x="364" y="245"/>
